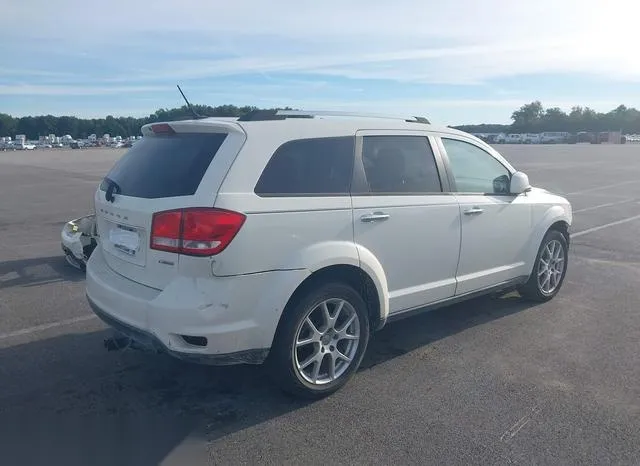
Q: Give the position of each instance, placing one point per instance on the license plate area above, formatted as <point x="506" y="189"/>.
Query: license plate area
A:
<point x="125" y="239"/>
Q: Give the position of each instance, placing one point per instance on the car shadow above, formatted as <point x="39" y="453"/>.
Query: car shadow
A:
<point x="67" y="400"/>
<point x="37" y="271"/>
<point x="403" y="336"/>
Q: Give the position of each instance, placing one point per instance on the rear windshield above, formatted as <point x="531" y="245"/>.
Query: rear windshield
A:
<point x="165" y="166"/>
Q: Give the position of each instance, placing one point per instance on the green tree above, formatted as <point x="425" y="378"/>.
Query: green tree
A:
<point x="8" y="125"/>
<point x="67" y="125"/>
<point x="28" y="126"/>
<point x="554" y="119"/>
<point x="528" y="117"/>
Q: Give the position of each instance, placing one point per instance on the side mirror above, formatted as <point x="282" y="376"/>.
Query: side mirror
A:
<point x="519" y="183"/>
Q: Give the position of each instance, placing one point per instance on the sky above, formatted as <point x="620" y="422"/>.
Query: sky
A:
<point x="455" y="62"/>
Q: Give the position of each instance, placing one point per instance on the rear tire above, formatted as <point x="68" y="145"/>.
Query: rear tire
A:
<point x="320" y="342"/>
<point x="549" y="268"/>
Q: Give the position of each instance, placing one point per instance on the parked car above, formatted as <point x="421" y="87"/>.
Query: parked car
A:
<point x="531" y="138"/>
<point x="19" y="145"/>
<point x="554" y="137"/>
<point x="79" y="240"/>
<point x="500" y="138"/>
<point x="290" y="240"/>
<point x="513" y="138"/>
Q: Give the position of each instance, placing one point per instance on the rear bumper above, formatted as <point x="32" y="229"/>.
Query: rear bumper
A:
<point x="237" y="315"/>
<point x="151" y="342"/>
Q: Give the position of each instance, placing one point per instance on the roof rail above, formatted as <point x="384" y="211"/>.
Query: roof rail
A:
<point x="261" y="115"/>
<point x="329" y="113"/>
<point x="269" y="114"/>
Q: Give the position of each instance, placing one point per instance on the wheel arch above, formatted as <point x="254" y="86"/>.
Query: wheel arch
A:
<point x="534" y="290"/>
<point x="554" y="219"/>
<point x="563" y="227"/>
<point x="351" y="275"/>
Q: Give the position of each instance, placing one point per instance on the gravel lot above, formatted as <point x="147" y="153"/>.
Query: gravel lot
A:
<point x="491" y="381"/>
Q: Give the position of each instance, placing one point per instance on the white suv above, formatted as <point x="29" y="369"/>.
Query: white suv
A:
<point x="290" y="240"/>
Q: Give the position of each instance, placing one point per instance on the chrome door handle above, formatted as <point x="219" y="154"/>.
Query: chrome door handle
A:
<point x="474" y="211"/>
<point x="375" y="217"/>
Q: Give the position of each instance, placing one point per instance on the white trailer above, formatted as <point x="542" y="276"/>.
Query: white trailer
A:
<point x="531" y="138"/>
<point x="553" y="137"/>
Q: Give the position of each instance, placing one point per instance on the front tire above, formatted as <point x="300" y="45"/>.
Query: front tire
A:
<point x="549" y="268"/>
<point x="320" y="342"/>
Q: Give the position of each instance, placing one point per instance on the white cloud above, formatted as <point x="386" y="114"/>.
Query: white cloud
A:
<point x="49" y="90"/>
<point x="23" y="72"/>
<point x="456" y="42"/>
<point x="331" y="18"/>
<point x="451" y="65"/>
<point x="460" y="42"/>
<point x="402" y="64"/>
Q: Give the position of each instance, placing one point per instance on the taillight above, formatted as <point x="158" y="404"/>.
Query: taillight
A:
<point x="165" y="231"/>
<point x="196" y="231"/>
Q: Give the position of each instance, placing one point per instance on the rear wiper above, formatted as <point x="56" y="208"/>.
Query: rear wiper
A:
<point x="112" y="188"/>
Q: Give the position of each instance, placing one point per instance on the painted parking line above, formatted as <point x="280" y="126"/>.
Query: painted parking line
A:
<point x="43" y="327"/>
<point x="606" y="225"/>
<point x="606" y="195"/>
<point x="607" y="186"/>
<point x="610" y="204"/>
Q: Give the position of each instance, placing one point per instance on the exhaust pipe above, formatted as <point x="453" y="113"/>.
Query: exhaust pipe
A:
<point x="121" y="342"/>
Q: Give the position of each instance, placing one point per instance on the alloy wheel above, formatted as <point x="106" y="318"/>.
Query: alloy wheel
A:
<point x="326" y="341"/>
<point x="551" y="267"/>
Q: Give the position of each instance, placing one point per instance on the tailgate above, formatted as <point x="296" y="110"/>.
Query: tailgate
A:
<point x="181" y="166"/>
<point x="124" y="227"/>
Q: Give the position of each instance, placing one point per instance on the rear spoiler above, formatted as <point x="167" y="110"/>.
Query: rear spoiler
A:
<point x="208" y="125"/>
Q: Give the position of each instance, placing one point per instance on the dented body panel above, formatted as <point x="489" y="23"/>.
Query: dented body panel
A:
<point x="79" y="239"/>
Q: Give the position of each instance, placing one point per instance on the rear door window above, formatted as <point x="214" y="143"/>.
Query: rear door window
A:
<point x="309" y="167"/>
<point x="400" y="165"/>
<point x="165" y="166"/>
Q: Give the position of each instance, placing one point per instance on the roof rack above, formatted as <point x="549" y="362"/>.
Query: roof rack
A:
<point x="329" y="113"/>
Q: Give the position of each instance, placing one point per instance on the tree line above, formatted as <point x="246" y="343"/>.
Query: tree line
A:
<point x="534" y="118"/>
<point x="80" y="128"/>
<point x="530" y="118"/>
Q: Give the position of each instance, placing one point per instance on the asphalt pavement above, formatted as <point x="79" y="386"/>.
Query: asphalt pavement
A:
<point x="490" y="381"/>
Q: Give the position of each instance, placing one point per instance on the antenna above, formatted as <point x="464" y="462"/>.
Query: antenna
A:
<point x="193" y="112"/>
